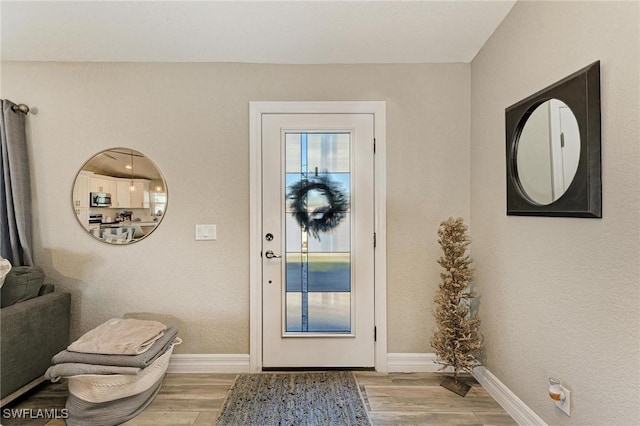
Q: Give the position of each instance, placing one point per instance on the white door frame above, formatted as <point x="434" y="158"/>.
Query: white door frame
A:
<point x="256" y="109"/>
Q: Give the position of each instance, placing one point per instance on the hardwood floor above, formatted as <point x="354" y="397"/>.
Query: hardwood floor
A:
<point x="390" y="399"/>
<point x="418" y="398"/>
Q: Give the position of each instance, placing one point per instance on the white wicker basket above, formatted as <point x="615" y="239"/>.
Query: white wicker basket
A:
<point x="109" y="387"/>
<point x="5" y="267"/>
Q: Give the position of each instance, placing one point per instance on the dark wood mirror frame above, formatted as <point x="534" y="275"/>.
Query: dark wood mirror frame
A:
<point x="583" y="198"/>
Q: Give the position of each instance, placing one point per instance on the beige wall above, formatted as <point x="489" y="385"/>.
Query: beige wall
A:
<point x="560" y="296"/>
<point x="192" y="120"/>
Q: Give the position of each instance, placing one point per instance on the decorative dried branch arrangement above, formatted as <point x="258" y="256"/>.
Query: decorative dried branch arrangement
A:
<point x="456" y="341"/>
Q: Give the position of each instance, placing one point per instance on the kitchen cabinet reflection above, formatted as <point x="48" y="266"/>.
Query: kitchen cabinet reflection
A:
<point x="119" y="196"/>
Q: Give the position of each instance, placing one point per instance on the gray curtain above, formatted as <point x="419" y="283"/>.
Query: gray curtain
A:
<point x="15" y="188"/>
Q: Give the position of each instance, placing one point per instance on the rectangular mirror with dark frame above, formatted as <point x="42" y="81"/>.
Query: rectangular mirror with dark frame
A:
<point x="553" y="149"/>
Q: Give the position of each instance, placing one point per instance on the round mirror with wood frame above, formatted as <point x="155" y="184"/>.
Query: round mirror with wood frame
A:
<point x="535" y="187"/>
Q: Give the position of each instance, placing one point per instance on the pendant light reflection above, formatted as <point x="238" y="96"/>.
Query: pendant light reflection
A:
<point x="132" y="187"/>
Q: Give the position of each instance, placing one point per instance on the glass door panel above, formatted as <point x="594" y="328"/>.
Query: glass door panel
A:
<point x="318" y="273"/>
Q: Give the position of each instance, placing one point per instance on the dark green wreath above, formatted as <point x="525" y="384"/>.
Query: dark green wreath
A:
<point x="323" y="218"/>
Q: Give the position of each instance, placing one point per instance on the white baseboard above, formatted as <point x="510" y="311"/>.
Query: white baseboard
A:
<point x="414" y="363"/>
<point x="209" y="363"/>
<point x="513" y="405"/>
<point x="240" y="363"/>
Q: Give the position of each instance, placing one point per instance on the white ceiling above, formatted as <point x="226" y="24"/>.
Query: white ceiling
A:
<point x="295" y="32"/>
<point x="113" y="162"/>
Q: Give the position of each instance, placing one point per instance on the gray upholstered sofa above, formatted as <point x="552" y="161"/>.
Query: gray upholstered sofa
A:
<point x="32" y="330"/>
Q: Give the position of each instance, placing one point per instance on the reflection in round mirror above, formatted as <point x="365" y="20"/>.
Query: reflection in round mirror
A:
<point x="119" y="196"/>
<point x="548" y="151"/>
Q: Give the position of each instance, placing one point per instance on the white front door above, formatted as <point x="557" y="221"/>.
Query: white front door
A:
<point x="318" y="240"/>
<point x="565" y="146"/>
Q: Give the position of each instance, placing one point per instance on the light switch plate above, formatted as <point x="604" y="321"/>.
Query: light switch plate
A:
<point x="205" y="232"/>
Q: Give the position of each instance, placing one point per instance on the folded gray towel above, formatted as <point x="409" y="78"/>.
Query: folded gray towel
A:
<point x="55" y="372"/>
<point x="141" y="361"/>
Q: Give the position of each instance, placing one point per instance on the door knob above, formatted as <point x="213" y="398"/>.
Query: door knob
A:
<point x="270" y="255"/>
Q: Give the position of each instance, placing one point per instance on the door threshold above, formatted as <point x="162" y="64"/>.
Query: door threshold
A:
<point x="270" y="369"/>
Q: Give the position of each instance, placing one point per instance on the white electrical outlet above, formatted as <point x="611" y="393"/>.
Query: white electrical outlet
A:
<point x="205" y="232"/>
<point x="565" y="404"/>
